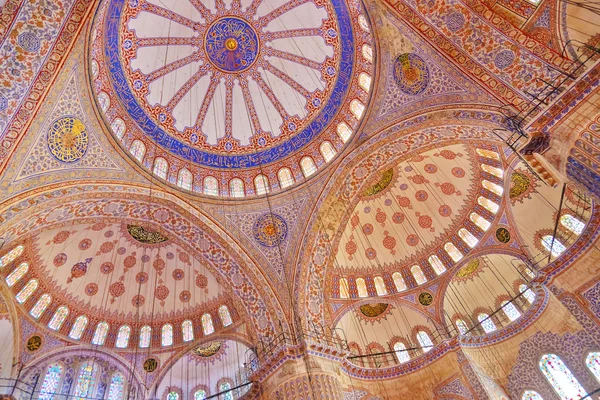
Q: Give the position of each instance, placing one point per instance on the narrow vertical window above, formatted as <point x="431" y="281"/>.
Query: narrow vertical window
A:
<point x="488" y="154"/>
<point x="592" y="361"/>
<point x="86" y="381"/>
<point x="226" y="387"/>
<point x="100" y="334"/>
<point x="161" y="167"/>
<point x="200" y="394"/>
<point x="357" y="108"/>
<point x="560" y="377"/>
<point x="399" y="281"/>
<point x="380" y="286"/>
<point x="118" y="127"/>
<point x="261" y="184"/>
<point x="418" y="274"/>
<point x="510" y="310"/>
<point x="187" y="328"/>
<point x="361" y="286"/>
<point x="41" y="305"/>
<point x="116" y="388"/>
<point x="401" y="352"/>
<point x="78" y="327"/>
<point x="211" y="186"/>
<point x="572" y="224"/>
<point x="437" y="264"/>
<point x="497" y="172"/>
<point x="467" y="237"/>
<point x="284" y="175"/>
<point x="344" y="290"/>
<point x="103" y="101"/>
<point x="11" y="256"/>
<point x="51" y="381"/>
<point x="123" y="337"/>
<point x="225" y="315"/>
<point x="481" y="222"/>
<point x="184" y="179"/>
<point x="145" y="336"/>
<point x="207" y="324"/>
<point x="344" y="131"/>
<point x="17" y="274"/>
<point x="367" y="52"/>
<point x="362" y="21"/>
<point x="138" y="150"/>
<point x="173" y="396"/>
<point x="553" y="246"/>
<point x="27" y="291"/>
<point x="425" y="341"/>
<point x="462" y="326"/>
<point x="453" y="252"/>
<point x="488" y="204"/>
<point x="167" y="335"/>
<point x="492" y="187"/>
<point x="486" y="323"/>
<point x="531" y="395"/>
<point x="308" y="167"/>
<point x="364" y="81"/>
<point x="327" y="151"/>
<point x="236" y="188"/>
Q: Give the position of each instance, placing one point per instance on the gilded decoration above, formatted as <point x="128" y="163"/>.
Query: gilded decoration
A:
<point x="207" y="350"/>
<point x="34" y="343"/>
<point x="140" y="234"/>
<point x="373" y="310"/>
<point x="425" y="299"/>
<point x="522" y="184"/>
<point x="150" y="365"/>
<point x="68" y="139"/>
<point x="503" y="235"/>
<point x="380" y="185"/>
<point x="469" y="270"/>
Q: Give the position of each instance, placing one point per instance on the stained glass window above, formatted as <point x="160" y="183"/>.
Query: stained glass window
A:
<point x="187" y="328"/>
<point x="399" y="281"/>
<point x="344" y="292"/>
<point x="308" y="167"/>
<point x="173" y="396"/>
<point x="184" y="179"/>
<point x="437" y="264"/>
<point x="327" y="151"/>
<point x="462" y="326"/>
<point x="531" y="395"/>
<point x="486" y="323"/>
<point x="58" y="318"/>
<point x="401" y="352"/>
<point x="167" y="335"/>
<point x="104" y="101"/>
<point x="236" y="188"/>
<point x="285" y="177"/>
<point x="226" y="386"/>
<point x="497" y="172"/>
<point x="51" y="380"/>
<point x="116" y="388"/>
<point x="592" y="361"/>
<point x="17" y="274"/>
<point x="123" y="337"/>
<point x="529" y="272"/>
<point x="137" y="150"/>
<point x="453" y="252"/>
<point x="425" y="341"/>
<point x="367" y="52"/>
<point x="481" y="222"/>
<point x="572" y="224"/>
<point x="510" y="310"/>
<point x="364" y="81"/>
<point x="78" y="327"/>
<point x="225" y="315"/>
<point x="100" y="334"/>
<point x="11" y="256"/>
<point x="200" y="394"/>
<point x="557" y="247"/>
<point x="418" y="274"/>
<point x="261" y="184"/>
<point x="344" y="131"/>
<point x="467" y="237"/>
<point x="211" y="186"/>
<point x="488" y="204"/>
<point x="488" y="154"/>
<point x="207" y="324"/>
<point x="362" y="21"/>
<point x="41" y="305"/>
<point x="380" y="286"/>
<point x="161" y="167"/>
<point x="145" y="336"/>
<point x="357" y="108"/>
<point x="361" y="286"/>
<point x="118" y="127"/>
<point x="492" y="187"/>
<point x="561" y="378"/>
<point x="27" y="290"/>
<point x="86" y="381"/>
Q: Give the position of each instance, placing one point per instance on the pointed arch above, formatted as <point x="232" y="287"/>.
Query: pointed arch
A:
<point x="185" y="179"/>
<point x="261" y="184"/>
<point x="284" y="175"/>
<point x="308" y="167"/>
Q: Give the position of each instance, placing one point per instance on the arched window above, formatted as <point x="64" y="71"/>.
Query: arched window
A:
<point x="497" y="172"/>
<point x="225" y="315"/>
<point x="467" y="237"/>
<point x="572" y="224"/>
<point x="100" y="334"/>
<point x="481" y="222"/>
<point x="364" y="81"/>
<point x="211" y="186"/>
<point x="226" y="387"/>
<point x="145" y="336"/>
<point x="285" y="177"/>
<point x="50" y="383"/>
<point x="418" y="274"/>
<point x="103" y="101"/>
<point x="261" y="184"/>
<point x="41" y="305"/>
<point x="308" y="167"/>
<point x="116" y="388"/>
<point x="380" y="286"/>
<point x="236" y="188"/>
<point x="173" y="396"/>
<point x="86" y="381"/>
<point x="401" y="352"/>
<point x="399" y="281"/>
<point x="488" y="204"/>
<point x="184" y="179"/>
<point x="453" y="252"/>
<point x="531" y="395"/>
<point x="17" y="274"/>
<point x="361" y="287"/>
<point x="138" y="150"/>
<point x="592" y="361"/>
<point x="462" y="326"/>
<point x="344" y="290"/>
<point x="11" y="256"/>
<point x="78" y="327"/>
<point x="486" y="323"/>
<point x="437" y="264"/>
<point x="344" y="131"/>
<point x="492" y="187"/>
<point x="488" y="154"/>
<point x="200" y="394"/>
<point x="161" y="167"/>
<point x="425" y="341"/>
<point x="362" y="21"/>
<point x="167" y="335"/>
<point x="187" y="328"/>
<point x="560" y="377"/>
<point x="510" y="310"/>
<point x="367" y="52"/>
<point x="123" y="337"/>
<point x="357" y="108"/>
<point x="556" y="247"/>
<point x="27" y="291"/>
<point x="207" y="324"/>
<point x="327" y="151"/>
<point x="118" y="127"/>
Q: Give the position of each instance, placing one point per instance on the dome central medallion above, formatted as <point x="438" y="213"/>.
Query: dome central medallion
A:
<point x="231" y="44"/>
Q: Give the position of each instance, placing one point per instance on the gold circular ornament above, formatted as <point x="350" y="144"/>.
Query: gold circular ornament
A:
<point x="150" y="365"/>
<point x="503" y="235"/>
<point x="68" y="139"/>
<point x="34" y="343"/>
<point x="425" y="299"/>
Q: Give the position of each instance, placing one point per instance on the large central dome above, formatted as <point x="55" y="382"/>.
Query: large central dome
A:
<point x="232" y="86"/>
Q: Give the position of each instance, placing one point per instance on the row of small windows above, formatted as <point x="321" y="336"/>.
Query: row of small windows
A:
<point x="402" y="350"/>
<point x="87" y="382"/>
<point x="224" y="386"/>
<point x="553" y="244"/>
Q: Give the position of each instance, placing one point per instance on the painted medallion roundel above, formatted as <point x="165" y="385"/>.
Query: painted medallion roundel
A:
<point x="411" y="73"/>
<point x="67" y="139"/>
